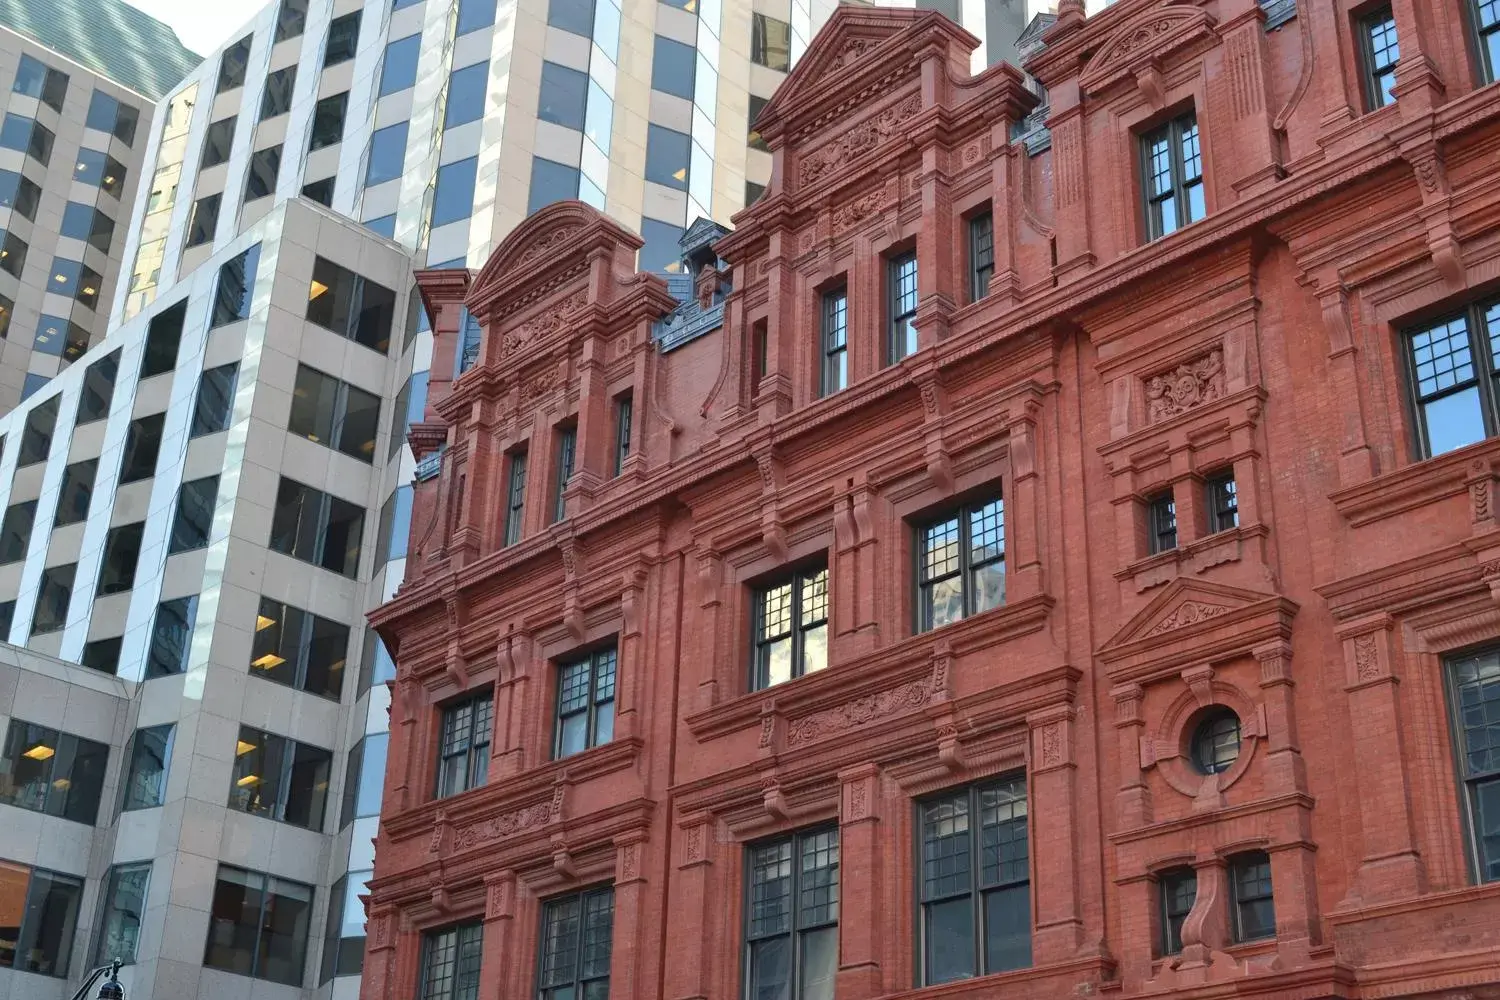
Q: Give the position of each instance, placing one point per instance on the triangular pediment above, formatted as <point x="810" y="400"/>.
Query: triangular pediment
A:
<point x="1187" y="608"/>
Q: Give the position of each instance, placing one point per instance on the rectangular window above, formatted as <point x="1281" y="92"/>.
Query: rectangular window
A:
<point x="901" y="289"/>
<point x="1485" y="17"/>
<point x="12" y="254"/>
<point x="1223" y="502"/>
<point x="52" y="772"/>
<point x="44" y="918"/>
<point x="27" y="136"/>
<point x="146" y="759"/>
<point x="1379" y="53"/>
<point x="122" y="549"/>
<point x="276" y="99"/>
<point x="218" y="140"/>
<point x="672" y="65"/>
<point x="36" y="438"/>
<point x="320" y="191"/>
<point x="466" y="94"/>
<point x="464" y="758"/>
<point x="52" y="598"/>
<point x="77" y="489"/>
<point x="98" y="388"/>
<point x="398" y="71"/>
<point x="344" y="933"/>
<point x="975" y="922"/>
<point x="1179" y="889"/>
<point x="1161" y="511"/>
<point x="80" y="221"/>
<point x="753" y="139"/>
<point x="317" y="528"/>
<point x="473" y="15"/>
<point x="395" y="525"/>
<point x="961" y="564"/>
<point x="1474" y="699"/>
<point x="142" y="446"/>
<point x="343" y="40"/>
<point x="21" y="195"/>
<point x="576" y="939"/>
<point x="1454" y="373"/>
<point x="624" y="407"/>
<point x="258" y="926"/>
<point x="235" y="288"/>
<point x="563" y="95"/>
<point x="792" y="916"/>
<point x="450" y="963"/>
<point x="1250" y="889"/>
<point x="981" y="255"/>
<point x="335" y="414"/>
<point x="60" y="337"/>
<point x="576" y="16"/>
<point x="585" y="703"/>
<point x="232" y="65"/>
<point x="770" y="42"/>
<point x="387" y="157"/>
<point x="162" y="339"/>
<point x="171" y="637"/>
<point x="291" y="20"/>
<point x="453" y="197"/>
<point x="567" y="441"/>
<point x="351" y="305"/>
<point x="36" y="79"/>
<point x="515" y="503"/>
<point x="280" y="779"/>
<point x="100" y="170"/>
<point x="299" y="649"/>
<point x="835" y="328"/>
<point x="667" y="155"/>
<point x="1173" y="172"/>
<point x="102" y="655"/>
<point x="195" y="515"/>
<point x="791" y="628"/>
<point x="265" y="165"/>
<point x="15" y="531"/>
<point x="215" y="402"/>
<point x="7" y="617"/>
<point x="364" y="777"/>
<point x="124" y="903"/>
<point x="328" y="122"/>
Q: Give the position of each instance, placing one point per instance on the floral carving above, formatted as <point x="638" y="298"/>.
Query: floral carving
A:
<point x="539" y="385"/>
<point x="695" y="843"/>
<point x="1187" y="613"/>
<point x="858" y="806"/>
<point x="1189" y="385"/>
<point x="866" y="709"/>
<point x="767" y="730"/>
<point x="506" y="824"/>
<point x="1479" y="496"/>
<point x="627" y="861"/>
<point x="547" y="323"/>
<point x="380" y="931"/>
<point x="853" y="49"/>
<point x="858" y="140"/>
<point x="550" y="243"/>
<point x="858" y="210"/>
<point x="1051" y="745"/>
<point x="439" y="827"/>
<point x="1143" y="37"/>
<point x="1366" y="658"/>
<point x="497" y="900"/>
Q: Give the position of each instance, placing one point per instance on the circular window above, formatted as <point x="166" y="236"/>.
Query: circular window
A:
<point x="1216" y="742"/>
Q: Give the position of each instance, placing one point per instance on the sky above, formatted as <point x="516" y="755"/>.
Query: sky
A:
<point x="203" y="25"/>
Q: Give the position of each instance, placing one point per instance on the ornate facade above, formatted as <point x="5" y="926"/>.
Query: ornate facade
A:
<point x="1069" y="568"/>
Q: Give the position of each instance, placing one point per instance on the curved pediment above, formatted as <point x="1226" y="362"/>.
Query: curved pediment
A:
<point x="1142" y="40"/>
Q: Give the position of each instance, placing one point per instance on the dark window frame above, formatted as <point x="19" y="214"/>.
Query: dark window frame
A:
<point x="1222" y="494"/>
<point x="1244" y="869"/>
<point x="1161" y="522"/>
<point x="1176" y="891"/>
<point x="1215" y="741"/>
<point x="1373" y="67"/>
<point x="463" y="759"/>
<point x="1175" y="133"/>
<point x="624" y="417"/>
<point x="807" y="586"/>
<point x="1484" y="372"/>
<point x="583" y="975"/>
<point x="515" y="496"/>
<point x="567" y="447"/>
<point x="833" y="326"/>
<point x="963" y="512"/>
<point x="901" y="307"/>
<point x="598" y="694"/>
<point x="1476" y="767"/>
<point x="981" y="228"/>
<point x="801" y="919"/>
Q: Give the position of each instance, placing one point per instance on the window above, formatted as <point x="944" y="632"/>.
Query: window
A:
<point x="395" y="525"/>
<point x="44" y="908"/>
<point x="672" y="66"/>
<point x="835" y="326"/>
<point x="87" y="223"/>
<point x="142" y="445"/>
<point x="577" y="932"/>
<point x="473" y="15"/>
<point x="975" y="923"/>
<point x="344" y="933"/>
<point x="792" y="934"/>
<point x="1379" y="53"/>
<point x="1223" y="502"/>
<point x="162" y="339"/>
<point x="450" y="963"/>
<point x="299" y="649"/>
<point x="961" y="564"/>
<point x="901" y="282"/>
<point x="36" y="439"/>
<point x="334" y="413"/>
<point x="981" y="255"/>
<point x="1216" y="742"/>
<point x="232" y="65"/>
<point x="7" y="618"/>
<point x="1485" y="19"/>
<point x="195" y="515"/>
<point x="75" y="280"/>
<point x="387" y="154"/>
<point x="34" y="383"/>
<point x="550" y="181"/>
<point x="34" y="79"/>
<point x="102" y="655"/>
<point x="235" y="288"/>
<point x="585" y="703"/>
<point x="317" y="528"/>
<point x="291" y="19"/>
<point x="215" y="403"/>
<point x="60" y="337"/>
<point x="258" y="926"/>
<point x="791" y="628"/>
<point x="343" y="40"/>
<point x="1174" y="177"/>
<point x="466" y="89"/>
<point x="265" y="164"/>
<point x="563" y="95"/>
<point x="667" y="153"/>
<point x="328" y="121"/>
<point x="124" y="903"/>
<point x="122" y="549"/>
<point x="52" y="598"/>
<point x="464" y="758"/>
<point x="364" y="778"/>
<point x="217" y="142"/>
<point x="108" y="115"/>
<point x="7" y="309"/>
<point x="77" y="489"/>
<point x="770" y="43"/>
<point x="15" y="531"/>
<point x="399" y="71"/>
<point x="515" y="503"/>
<point x="383" y="226"/>
<point x="662" y="253"/>
<point x="280" y="779"/>
<point x="12" y="253"/>
<point x="21" y="195"/>
<point x="146" y="759"/>
<point x="24" y="135"/>
<point x="1454" y="407"/>
<point x="52" y="772"/>
<point x="171" y="637"/>
<point x="320" y="191"/>
<point x="99" y="170"/>
<point x="411" y="402"/>
<point x="576" y="16"/>
<point x="204" y="221"/>
<point x="623" y="412"/>
<point x="567" y="442"/>
<point x="276" y="99"/>
<point x="351" y="305"/>
<point x="1250" y="889"/>
<point x="1179" y="890"/>
<point x="1161" y="517"/>
<point x="753" y="138"/>
<point x="1474" y="697"/>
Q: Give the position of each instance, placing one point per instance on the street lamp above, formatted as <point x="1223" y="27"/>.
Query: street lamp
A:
<point x="110" y="989"/>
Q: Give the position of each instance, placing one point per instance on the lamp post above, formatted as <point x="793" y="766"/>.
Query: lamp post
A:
<point x="110" y="989"/>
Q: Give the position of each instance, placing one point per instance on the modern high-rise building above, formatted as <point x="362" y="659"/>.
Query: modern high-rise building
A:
<point x="78" y="81"/>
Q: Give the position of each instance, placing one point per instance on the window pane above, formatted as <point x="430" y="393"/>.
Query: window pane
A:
<point x="1453" y="421"/>
<point x="265" y="165"/>
<point x="370" y="787"/>
<point x="146" y="779"/>
<point x="283" y="938"/>
<point x="98" y="388"/>
<point x="950" y="940"/>
<point x="328" y="121"/>
<point x="171" y="637"/>
<point x="276" y="99"/>
<point x="667" y="152"/>
<point x="1007" y="928"/>
<point x="466" y="93"/>
<point x="53" y="597"/>
<point x="235" y="288"/>
<point x="36" y="439"/>
<point x="770" y="42"/>
<point x="30" y="757"/>
<point x="102" y="655"/>
<point x="234" y="920"/>
<point x="327" y="653"/>
<point x="47" y="929"/>
<point x="341" y="539"/>
<point x="662" y="253"/>
<point x="400" y="68"/>
<point x="387" y="154"/>
<point x="343" y="39"/>
<point x="124" y="903"/>
<point x="204" y="221"/>
<point x="820" y="963"/>
<point x="195" y="515"/>
<point x="314" y="405"/>
<point x="215" y="400"/>
<point x="255" y="782"/>
<point x="576" y="16"/>
<point x="122" y="548"/>
<point x="563" y="95"/>
<point x="672" y="67"/>
<point x="217" y="142"/>
<point x="453" y="198"/>
<point x="162" y="340"/>
<point x="77" y="489"/>
<point x="307" y="786"/>
<point x="473" y="15"/>
<point x="15" y="531"/>
<point x="771" y="969"/>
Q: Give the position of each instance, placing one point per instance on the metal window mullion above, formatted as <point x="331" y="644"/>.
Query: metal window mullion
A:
<point x="1175" y="134"/>
<point x="795" y="625"/>
<point x="260" y="923"/>
<point x="304" y="650"/>
<point x="1483" y="362"/>
<point x="591" y="718"/>
<point x="965" y="542"/>
<point x="284" y="779"/>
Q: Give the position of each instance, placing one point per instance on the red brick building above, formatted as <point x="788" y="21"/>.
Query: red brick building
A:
<point x="1053" y="553"/>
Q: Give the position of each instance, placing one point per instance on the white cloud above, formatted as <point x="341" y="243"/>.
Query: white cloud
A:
<point x="203" y="25"/>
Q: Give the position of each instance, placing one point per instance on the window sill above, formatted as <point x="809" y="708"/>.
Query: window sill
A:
<point x="1428" y="481"/>
<point x="1192" y="559"/>
<point x="1055" y="979"/>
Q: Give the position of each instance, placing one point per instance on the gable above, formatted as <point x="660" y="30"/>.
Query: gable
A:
<point x="1195" y="620"/>
<point x="1142" y="41"/>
